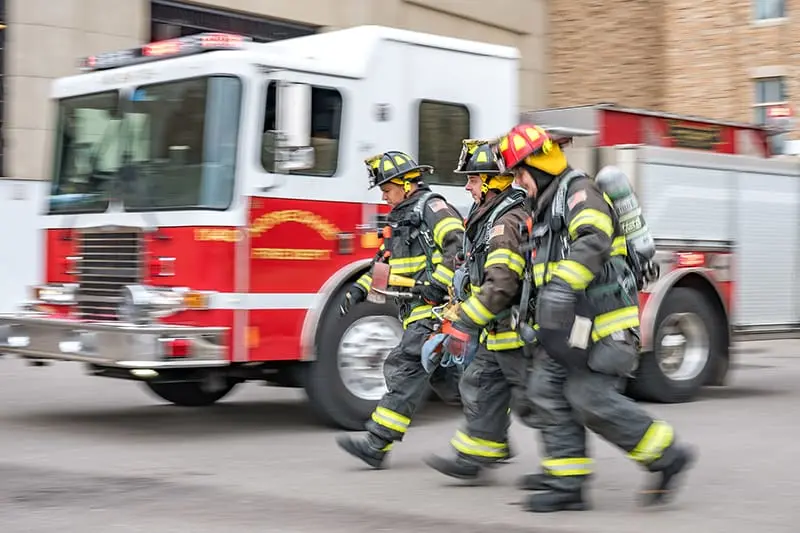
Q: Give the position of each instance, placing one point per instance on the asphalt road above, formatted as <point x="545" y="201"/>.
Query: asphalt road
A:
<point x="88" y="454"/>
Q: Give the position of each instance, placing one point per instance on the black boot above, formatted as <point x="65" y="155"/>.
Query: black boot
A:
<point x="551" y="501"/>
<point x="457" y="466"/>
<point x="663" y="488"/>
<point x="371" y="450"/>
<point x="539" y="481"/>
<point x="534" y="482"/>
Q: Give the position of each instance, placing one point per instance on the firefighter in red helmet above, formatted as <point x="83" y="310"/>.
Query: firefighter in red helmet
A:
<point x="588" y="325"/>
<point x="495" y="377"/>
<point x="423" y="243"/>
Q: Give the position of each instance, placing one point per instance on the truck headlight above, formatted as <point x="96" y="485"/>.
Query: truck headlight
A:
<point x="141" y="304"/>
<point x="63" y="294"/>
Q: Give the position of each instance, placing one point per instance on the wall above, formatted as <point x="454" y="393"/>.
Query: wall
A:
<point x="47" y="37"/>
<point x="606" y="51"/>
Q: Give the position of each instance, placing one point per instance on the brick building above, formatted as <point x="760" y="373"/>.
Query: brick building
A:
<point x="725" y="59"/>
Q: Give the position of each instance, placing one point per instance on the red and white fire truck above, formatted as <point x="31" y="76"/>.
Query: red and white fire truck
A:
<point x="208" y="208"/>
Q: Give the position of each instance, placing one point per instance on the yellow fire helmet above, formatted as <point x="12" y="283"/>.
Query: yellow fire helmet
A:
<point x="478" y="158"/>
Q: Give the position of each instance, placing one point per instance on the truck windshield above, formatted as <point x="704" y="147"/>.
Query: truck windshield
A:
<point x="180" y="145"/>
<point x="87" y="153"/>
<point x="172" y="146"/>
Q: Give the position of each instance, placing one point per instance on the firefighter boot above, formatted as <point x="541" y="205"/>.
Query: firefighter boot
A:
<point x="458" y="466"/>
<point x="538" y="481"/>
<point x="662" y="490"/>
<point x="372" y="450"/>
<point x="511" y="453"/>
<point x="551" y="501"/>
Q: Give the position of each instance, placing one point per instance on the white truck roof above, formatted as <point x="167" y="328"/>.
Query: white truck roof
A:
<point x="348" y="52"/>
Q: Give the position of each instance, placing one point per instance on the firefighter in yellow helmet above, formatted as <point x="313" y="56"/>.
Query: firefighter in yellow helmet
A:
<point x="587" y="317"/>
<point x="423" y="241"/>
<point x="496" y="376"/>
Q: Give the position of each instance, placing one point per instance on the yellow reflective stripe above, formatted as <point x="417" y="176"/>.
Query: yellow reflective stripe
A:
<point x="594" y="218"/>
<point x="619" y="246"/>
<point x="418" y="313"/>
<point x="445" y="226"/>
<point x="443" y="275"/>
<point x="657" y="438"/>
<point x="437" y="257"/>
<point x="478" y="447"/>
<point x="474" y="289"/>
<point x="575" y="274"/>
<point x="571" y="466"/>
<point x="390" y="419"/>
<point x="387" y="447"/>
<point x="505" y="257"/>
<point x="613" y="321"/>
<point x="476" y="311"/>
<point x="365" y="282"/>
<point x="407" y="265"/>
<point x="506" y="340"/>
<point x="538" y="273"/>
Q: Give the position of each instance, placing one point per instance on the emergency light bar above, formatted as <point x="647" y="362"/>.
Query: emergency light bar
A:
<point x="178" y="47"/>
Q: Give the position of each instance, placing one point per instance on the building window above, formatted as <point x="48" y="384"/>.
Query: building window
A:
<point x="171" y="18"/>
<point x="769" y="9"/>
<point x="769" y="92"/>
<point x="442" y="126"/>
<point x="326" y="122"/>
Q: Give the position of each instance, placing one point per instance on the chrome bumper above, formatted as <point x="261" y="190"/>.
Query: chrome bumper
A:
<point x="108" y="344"/>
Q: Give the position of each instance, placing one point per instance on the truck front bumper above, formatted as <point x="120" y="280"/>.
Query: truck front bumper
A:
<point x="119" y="345"/>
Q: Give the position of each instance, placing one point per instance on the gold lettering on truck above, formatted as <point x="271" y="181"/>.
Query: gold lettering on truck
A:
<point x="268" y="221"/>
<point x="290" y="254"/>
<point x="218" y="234"/>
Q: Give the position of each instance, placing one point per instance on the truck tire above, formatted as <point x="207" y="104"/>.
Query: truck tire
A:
<point x="346" y="381"/>
<point x="190" y="393"/>
<point x="688" y="338"/>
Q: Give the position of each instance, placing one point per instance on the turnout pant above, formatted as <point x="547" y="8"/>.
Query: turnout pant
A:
<point x="406" y="381"/>
<point x="570" y="399"/>
<point x="492" y="386"/>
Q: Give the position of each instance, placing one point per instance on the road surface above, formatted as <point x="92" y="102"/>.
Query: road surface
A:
<point x="97" y="455"/>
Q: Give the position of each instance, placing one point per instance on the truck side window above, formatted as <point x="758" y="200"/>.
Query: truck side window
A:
<point x="442" y="126"/>
<point x="326" y="120"/>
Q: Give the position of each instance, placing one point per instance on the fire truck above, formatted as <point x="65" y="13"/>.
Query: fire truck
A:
<point x="208" y="209"/>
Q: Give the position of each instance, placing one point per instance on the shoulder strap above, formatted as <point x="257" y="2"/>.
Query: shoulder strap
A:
<point x="419" y="207"/>
<point x="560" y="200"/>
<point x="514" y="199"/>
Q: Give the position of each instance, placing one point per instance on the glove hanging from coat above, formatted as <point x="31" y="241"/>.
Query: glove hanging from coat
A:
<point x="432" y="293"/>
<point x="355" y="295"/>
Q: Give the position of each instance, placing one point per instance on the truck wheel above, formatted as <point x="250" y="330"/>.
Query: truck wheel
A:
<point x="687" y="340"/>
<point x="191" y="393"/>
<point x="346" y="381"/>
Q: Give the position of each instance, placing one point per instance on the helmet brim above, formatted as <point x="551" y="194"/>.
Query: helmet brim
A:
<point x="424" y="169"/>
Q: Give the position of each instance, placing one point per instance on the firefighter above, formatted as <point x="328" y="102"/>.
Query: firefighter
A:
<point x="496" y="377"/>
<point x="424" y="241"/>
<point x="587" y="318"/>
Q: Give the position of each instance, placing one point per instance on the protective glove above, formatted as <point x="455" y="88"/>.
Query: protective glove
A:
<point x="432" y="293"/>
<point x="355" y="295"/>
<point x="433" y="352"/>
<point x="555" y="307"/>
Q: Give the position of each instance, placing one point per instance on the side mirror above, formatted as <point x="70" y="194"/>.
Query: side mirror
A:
<point x="294" y="150"/>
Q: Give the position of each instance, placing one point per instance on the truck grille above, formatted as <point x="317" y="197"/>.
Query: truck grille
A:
<point x="110" y="259"/>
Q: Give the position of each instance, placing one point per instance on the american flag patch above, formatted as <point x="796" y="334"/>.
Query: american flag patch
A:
<point x="576" y="198"/>
<point x="437" y="205"/>
<point x="497" y="231"/>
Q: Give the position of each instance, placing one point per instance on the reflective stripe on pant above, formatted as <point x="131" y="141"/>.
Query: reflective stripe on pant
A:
<point x="490" y="384"/>
<point x="480" y="449"/>
<point x="571" y="466"/>
<point x="406" y="380"/>
<point x="571" y="399"/>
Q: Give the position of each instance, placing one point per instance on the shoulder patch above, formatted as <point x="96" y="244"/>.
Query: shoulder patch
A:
<point x="497" y="231"/>
<point x="437" y="205"/>
<point x="576" y="198"/>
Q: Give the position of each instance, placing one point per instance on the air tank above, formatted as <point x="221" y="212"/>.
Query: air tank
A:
<point x="617" y="186"/>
